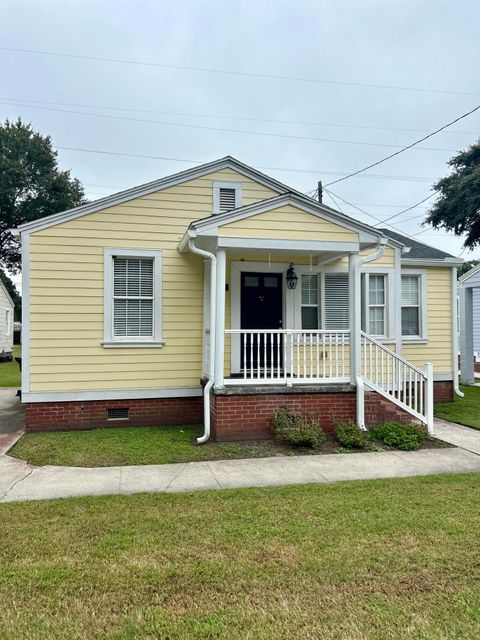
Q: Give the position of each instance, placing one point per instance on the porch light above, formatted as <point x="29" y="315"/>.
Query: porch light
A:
<point x="292" y="277"/>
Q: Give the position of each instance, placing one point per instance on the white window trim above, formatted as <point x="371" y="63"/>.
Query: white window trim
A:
<point x="423" y="306"/>
<point x="111" y="341"/>
<point x="217" y="184"/>
<point x="389" y="301"/>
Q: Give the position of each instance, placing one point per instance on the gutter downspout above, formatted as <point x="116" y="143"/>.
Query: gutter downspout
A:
<point x="456" y="386"/>
<point x="357" y="328"/>
<point x="211" y="361"/>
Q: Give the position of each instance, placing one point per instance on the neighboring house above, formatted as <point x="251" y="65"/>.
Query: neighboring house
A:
<point x="222" y="292"/>
<point x="469" y="294"/>
<point x="6" y="324"/>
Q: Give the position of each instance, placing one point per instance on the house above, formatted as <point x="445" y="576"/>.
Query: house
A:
<point x="6" y="324"/>
<point x="469" y="294"/>
<point x="219" y="294"/>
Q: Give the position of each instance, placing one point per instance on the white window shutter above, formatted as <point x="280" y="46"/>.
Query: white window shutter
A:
<point x="336" y="301"/>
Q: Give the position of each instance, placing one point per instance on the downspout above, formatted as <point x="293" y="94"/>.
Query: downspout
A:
<point x="210" y="374"/>
<point x="456" y="386"/>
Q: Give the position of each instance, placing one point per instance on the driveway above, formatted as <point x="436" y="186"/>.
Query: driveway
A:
<point x="12" y="412"/>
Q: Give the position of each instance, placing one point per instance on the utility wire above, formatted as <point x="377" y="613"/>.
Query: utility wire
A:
<point x="183" y="125"/>
<point x="225" y="116"/>
<point x="413" y="144"/>
<point x="247" y="74"/>
<point x="265" y="168"/>
<point x="414" y="206"/>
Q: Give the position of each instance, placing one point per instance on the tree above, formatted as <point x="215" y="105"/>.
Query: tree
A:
<point x="31" y="185"/>
<point x="15" y="296"/>
<point x="457" y="207"/>
<point x="466" y="266"/>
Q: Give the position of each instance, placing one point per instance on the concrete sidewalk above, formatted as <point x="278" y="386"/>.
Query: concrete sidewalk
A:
<point x="19" y="481"/>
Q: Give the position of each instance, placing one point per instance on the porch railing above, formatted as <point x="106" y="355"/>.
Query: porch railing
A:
<point x="289" y="356"/>
<point x="398" y="380"/>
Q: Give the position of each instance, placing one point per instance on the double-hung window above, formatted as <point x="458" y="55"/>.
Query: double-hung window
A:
<point x="132" y="297"/>
<point x="310" y="297"/>
<point x="411" y="307"/>
<point x="8" y="322"/>
<point x="374" y="304"/>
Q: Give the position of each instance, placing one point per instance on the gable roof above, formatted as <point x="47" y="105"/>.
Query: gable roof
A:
<point x="296" y="199"/>
<point x="469" y="274"/>
<point x="419" y="250"/>
<point x="9" y="298"/>
<point x="228" y="162"/>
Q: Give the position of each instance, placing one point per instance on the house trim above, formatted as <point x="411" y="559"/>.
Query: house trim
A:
<point x="113" y="394"/>
<point x="224" y="184"/>
<point x="25" y="314"/>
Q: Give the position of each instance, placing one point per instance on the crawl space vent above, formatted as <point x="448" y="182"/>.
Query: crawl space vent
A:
<point x="117" y="414"/>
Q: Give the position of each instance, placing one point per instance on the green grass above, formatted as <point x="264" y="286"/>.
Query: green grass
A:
<point x="462" y="410"/>
<point x="377" y="560"/>
<point x="136" y="445"/>
<point x="10" y="371"/>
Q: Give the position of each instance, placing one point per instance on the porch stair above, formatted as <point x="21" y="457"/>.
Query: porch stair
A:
<point x="396" y="379"/>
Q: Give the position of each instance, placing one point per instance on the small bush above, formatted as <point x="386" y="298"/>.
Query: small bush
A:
<point x="349" y="435"/>
<point x="400" y="436"/>
<point x="300" y="430"/>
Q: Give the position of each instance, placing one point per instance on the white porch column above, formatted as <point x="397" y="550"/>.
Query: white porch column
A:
<point x="354" y="315"/>
<point x="220" y="318"/>
<point x="466" y="335"/>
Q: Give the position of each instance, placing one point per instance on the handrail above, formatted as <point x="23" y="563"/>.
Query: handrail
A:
<point x="387" y="350"/>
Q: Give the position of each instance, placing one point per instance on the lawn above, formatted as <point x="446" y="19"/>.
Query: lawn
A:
<point x="462" y="410"/>
<point x="380" y="560"/>
<point x="10" y="371"/>
<point x="154" y="445"/>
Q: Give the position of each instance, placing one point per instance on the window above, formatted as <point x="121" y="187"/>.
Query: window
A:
<point x="8" y="322"/>
<point x="132" y="297"/>
<point x="410" y="301"/>
<point x="226" y="196"/>
<point x="309" y="294"/>
<point x="374" y="304"/>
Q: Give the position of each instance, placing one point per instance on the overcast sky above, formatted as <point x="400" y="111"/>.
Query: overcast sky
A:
<point x="426" y="45"/>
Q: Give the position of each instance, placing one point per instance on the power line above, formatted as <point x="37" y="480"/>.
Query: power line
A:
<point x="414" y="206"/>
<point x="184" y="125"/>
<point x="374" y="164"/>
<point x="228" y="117"/>
<point x="248" y="74"/>
<point x="265" y="168"/>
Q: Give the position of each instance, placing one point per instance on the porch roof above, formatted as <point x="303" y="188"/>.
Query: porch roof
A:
<point x="210" y="227"/>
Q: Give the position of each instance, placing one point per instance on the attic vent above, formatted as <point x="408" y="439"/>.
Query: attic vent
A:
<point x="117" y="414"/>
<point x="226" y="199"/>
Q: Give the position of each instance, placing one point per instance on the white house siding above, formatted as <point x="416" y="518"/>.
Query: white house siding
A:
<point x="476" y="322"/>
<point x="6" y="341"/>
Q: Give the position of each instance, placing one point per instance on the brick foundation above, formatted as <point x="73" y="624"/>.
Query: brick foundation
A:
<point x="69" y="416"/>
<point x="235" y="416"/>
<point x="247" y="416"/>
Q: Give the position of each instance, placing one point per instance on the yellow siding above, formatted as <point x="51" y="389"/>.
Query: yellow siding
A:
<point x="438" y="350"/>
<point x="288" y="222"/>
<point x="66" y="294"/>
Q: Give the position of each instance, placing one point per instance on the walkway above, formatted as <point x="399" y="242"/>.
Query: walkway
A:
<point x="19" y="481"/>
<point x="12" y="412"/>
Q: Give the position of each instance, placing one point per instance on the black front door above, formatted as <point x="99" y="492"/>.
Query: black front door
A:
<point x="261" y="308"/>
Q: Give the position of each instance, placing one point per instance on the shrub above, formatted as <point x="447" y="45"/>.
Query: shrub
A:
<point x="400" y="436"/>
<point x="350" y="435"/>
<point x="300" y="430"/>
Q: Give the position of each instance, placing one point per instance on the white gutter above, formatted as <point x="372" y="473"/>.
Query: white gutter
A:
<point x="456" y="386"/>
<point x="210" y="374"/>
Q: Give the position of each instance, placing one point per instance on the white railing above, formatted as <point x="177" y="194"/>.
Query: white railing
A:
<point x="393" y="377"/>
<point x="289" y="356"/>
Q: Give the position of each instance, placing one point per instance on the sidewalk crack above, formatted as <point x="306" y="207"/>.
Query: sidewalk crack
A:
<point x="5" y="493"/>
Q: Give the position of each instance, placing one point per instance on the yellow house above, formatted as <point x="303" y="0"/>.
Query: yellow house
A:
<point x="219" y="294"/>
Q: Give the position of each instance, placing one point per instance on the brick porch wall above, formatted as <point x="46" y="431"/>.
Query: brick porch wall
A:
<point x="69" y="416"/>
<point x="248" y="417"/>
